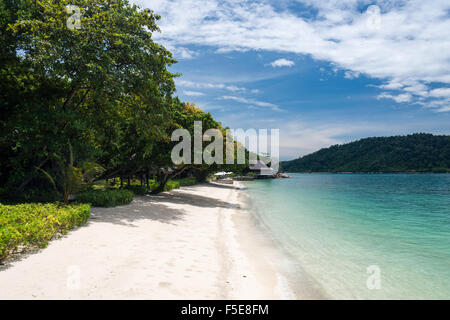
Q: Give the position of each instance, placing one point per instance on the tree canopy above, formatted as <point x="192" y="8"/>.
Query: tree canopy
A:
<point x="413" y="153"/>
<point x="102" y="88"/>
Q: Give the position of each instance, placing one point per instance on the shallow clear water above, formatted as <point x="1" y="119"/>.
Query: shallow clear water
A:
<point x="335" y="226"/>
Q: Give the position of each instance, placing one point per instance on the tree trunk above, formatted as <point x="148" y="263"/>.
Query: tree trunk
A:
<point x="162" y="184"/>
<point x="166" y="178"/>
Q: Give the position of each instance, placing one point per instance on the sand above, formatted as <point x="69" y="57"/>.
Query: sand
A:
<point x="193" y="243"/>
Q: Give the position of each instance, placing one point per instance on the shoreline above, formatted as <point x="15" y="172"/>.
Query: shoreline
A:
<point x="250" y="257"/>
<point x="295" y="281"/>
<point x="194" y="243"/>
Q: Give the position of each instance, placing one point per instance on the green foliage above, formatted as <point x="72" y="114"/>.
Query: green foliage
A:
<point x="185" y="182"/>
<point x="42" y="195"/>
<point x="33" y="225"/>
<point x="106" y="198"/>
<point x="72" y="179"/>
<point x="412" y="153"/>
<point x="104" y="88"/>
<point x="138" y="189"/>
<point x="170" y="185"/>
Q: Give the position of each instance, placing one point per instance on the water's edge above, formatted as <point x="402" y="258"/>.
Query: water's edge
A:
<point x="297" y="283"/>
<point x="331" y="230"/>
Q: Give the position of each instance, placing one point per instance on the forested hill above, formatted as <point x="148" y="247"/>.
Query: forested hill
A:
<point x="412" y="153"/>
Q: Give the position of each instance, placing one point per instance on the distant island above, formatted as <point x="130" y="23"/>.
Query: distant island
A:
<point x="418" y="152"/>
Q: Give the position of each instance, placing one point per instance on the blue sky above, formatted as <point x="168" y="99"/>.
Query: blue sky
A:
<point x="323" y="72"/>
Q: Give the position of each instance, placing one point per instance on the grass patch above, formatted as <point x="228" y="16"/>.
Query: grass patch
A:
<point x="137" y="189"/>
<point x="171" y="184"/>
<point x="33" y="225"/>
<point x="185" y="182"/>
<point x="106" y="198"/>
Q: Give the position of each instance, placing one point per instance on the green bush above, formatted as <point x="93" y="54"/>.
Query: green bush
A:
<point x="143" y="190"/>
<point x="106" y="198"/>
<point x="187" y="181"/>
<point x="138" y="189"/>
<point x="170" y="185"/>
<point x="33" y="225"/>
<point x="153" y="184"/>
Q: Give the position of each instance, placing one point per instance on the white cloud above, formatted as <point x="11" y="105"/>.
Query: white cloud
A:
<point x="404" y="97"/>
<point x="253" y="102"/>
<point x="282" y="63"/>
<point x="417" y="89"/>
<point x="443" y="109"/>
<point x="185" y="53"/>
<point x="202" y="85"/>
<point x="179" y="52"/>
<point x="392" y="85"/>
<point x="440" y="93"/>
<point x="441" y="105"/>
<point x="193" y="93"/>
<point x="405" y="40"/>
<point x="199" y="85"/>
<point x="351" y="75"/>
<point x="235" y="89"/>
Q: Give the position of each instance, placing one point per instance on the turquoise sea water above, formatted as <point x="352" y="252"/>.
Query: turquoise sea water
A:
<point x="335" y="226"/>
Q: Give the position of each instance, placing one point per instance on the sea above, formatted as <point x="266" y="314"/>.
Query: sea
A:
<point x="359" y="236"/>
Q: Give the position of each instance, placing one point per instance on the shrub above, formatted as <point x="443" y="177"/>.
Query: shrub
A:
<point x="106" y="198"/>
<point x="137" y="189"/>
<point x="153" y="184"/>
<point x="33" y="225"/>
<point x="170" y="185"/>
<point x="187" y="181"/>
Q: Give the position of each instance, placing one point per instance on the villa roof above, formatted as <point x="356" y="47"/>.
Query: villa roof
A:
<point x="259" y="165"/>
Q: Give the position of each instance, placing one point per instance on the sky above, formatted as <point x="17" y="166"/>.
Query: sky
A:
<point x="322" y="72"/>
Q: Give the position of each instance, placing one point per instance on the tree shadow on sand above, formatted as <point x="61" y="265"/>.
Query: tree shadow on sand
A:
<point x="156" y="208"/>
<point x="149" y="207"/>
<point x="190" y="199"/>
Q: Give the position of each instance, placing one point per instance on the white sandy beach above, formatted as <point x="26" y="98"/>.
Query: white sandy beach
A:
<point x="193" y="243"/>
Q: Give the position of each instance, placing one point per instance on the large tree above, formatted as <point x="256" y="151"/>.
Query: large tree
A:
<point x="103" y="88"/>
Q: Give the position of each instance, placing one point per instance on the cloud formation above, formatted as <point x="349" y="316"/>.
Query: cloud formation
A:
<point x="252" y="103"/>
<point x="200" y="85"/>
<point x="193" y="93"/>
<point x="397" y="41"/>
<point x="282" y="63"/>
